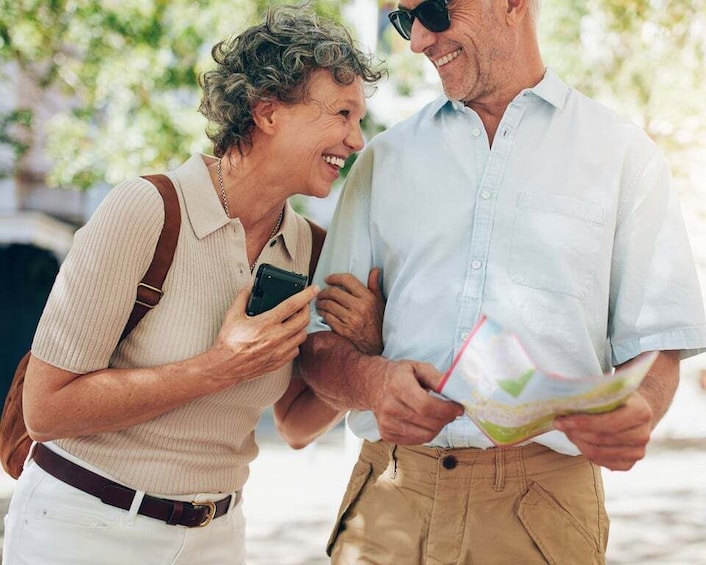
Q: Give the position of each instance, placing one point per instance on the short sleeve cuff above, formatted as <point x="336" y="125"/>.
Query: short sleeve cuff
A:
<point x="689" y="341"/>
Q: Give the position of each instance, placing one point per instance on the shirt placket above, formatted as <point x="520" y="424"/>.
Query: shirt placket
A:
<point x="460" y="432"/>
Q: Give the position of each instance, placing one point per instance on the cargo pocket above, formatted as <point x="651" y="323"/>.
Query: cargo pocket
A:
<point x="560" y="537"/>
<point x="359" y="476"/>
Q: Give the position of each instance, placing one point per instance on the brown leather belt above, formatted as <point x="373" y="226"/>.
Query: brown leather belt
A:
<point x="173" y="512"/>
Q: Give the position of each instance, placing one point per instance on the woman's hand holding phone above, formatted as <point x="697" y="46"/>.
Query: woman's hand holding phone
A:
<point x="250" y="346"/>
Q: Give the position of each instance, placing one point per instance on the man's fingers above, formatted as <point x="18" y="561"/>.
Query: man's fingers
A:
<point x="408" y="425"/>
<point x="347" y="282"/>
<point x="428" y="376"/>
<point x="409" y="433"/>
<point x="374" y="281"/>
<point x="633" y="415"/>
<point x="336" y="323"/>
<point x="442" y="410"/>
<point x="338" y="295"/>
<point x="636" y="438"/>
<point x="329" y="307"/>
<point x="615" y="440"/>
<point x="428" y="408"/>
<point x="615" y="458"/>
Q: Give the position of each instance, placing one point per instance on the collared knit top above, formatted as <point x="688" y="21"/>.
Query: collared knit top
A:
<point x="205" y="445"/>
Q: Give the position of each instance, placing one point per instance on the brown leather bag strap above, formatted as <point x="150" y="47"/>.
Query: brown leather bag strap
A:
<point x="149" y="290"/>
<point x="15" y="442"/>
<point x="318" y="234"/>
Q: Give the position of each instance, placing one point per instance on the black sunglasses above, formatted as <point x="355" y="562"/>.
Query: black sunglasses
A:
<point x="432" y="14"/>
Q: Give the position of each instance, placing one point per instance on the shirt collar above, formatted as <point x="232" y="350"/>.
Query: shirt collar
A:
<point x="204" y="208"/>
<point x="551" y="89"/>
<point x="290" y="230"/>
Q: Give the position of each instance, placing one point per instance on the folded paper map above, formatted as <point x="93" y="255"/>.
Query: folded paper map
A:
<point x="511" y="399"/>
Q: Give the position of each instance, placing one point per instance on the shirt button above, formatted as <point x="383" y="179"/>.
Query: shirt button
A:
<point x="476" y="132"/>
<point x="476" y="264"/>
<point x="485" y="194"/>
<point x="464" y="336"/>
<point x="449" y="462"/>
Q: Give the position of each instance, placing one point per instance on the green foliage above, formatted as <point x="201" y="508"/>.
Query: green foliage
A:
<point x="12" y="123"/>
<point x="129" y="70"/>
<point x="644" y="58"/>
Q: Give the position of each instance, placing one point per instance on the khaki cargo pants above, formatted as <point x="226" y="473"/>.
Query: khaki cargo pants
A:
<point x="432" y="506"/>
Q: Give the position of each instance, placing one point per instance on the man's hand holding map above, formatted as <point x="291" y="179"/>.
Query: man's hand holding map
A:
<point x="511" y="399"/>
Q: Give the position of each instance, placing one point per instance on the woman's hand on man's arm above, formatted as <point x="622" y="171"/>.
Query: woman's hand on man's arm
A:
<point x="354" y="311"/>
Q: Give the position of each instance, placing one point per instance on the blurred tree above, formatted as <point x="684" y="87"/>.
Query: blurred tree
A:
<point x="129" y="68"/>
<point x="644" y="58"/>
<point x="125" y="72"/>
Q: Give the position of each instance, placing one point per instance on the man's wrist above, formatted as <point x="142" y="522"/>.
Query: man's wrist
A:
<point x="372" y="371"/>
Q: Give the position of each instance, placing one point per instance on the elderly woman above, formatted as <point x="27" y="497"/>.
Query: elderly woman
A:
<point x="165" y="418"/>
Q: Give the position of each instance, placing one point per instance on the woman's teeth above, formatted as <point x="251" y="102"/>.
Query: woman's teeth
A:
<point x="336" y="161"/>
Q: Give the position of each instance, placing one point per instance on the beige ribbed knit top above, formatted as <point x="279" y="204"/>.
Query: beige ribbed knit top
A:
<point x="205" y="445"/>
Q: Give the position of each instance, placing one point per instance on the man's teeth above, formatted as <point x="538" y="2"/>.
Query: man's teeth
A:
<point x="336" y="161"/>
<point x="447" y="58"/>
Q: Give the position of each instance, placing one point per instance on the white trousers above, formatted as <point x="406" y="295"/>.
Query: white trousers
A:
<point x="50" y="522"/>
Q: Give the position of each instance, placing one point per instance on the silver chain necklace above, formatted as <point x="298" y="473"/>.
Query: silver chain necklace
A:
<point x="221" y="185"/>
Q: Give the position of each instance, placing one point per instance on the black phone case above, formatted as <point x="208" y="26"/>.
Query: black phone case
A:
<point x="273" y="285"/>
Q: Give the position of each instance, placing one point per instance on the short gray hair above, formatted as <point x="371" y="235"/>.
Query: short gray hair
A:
<point x="274" y="60"/>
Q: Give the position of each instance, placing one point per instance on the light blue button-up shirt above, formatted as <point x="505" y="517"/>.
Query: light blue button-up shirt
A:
<point x="566" y="232"/>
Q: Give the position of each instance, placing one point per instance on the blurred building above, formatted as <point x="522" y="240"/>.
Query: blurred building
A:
<point x="37" y="223"/>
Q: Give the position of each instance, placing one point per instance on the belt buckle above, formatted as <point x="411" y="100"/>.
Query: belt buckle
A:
<point x="209" y="515"/>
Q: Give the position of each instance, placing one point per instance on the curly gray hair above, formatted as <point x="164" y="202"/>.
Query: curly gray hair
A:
<point x="274" y="61"/>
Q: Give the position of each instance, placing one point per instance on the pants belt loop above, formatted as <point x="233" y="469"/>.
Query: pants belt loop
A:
<point x="499" y="470"/>
<point x="393" y="461"/>
<point x="30" y="454"/>
<point x="234" y="499"/>
<point x="134" y="507"/>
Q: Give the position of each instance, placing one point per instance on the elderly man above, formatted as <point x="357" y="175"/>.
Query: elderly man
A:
<point x="516" y="197"/>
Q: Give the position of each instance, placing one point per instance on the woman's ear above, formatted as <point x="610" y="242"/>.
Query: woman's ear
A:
<point x="264" y="115"/>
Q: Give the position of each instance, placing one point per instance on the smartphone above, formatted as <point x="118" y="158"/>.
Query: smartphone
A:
<point x="272" y="286"/>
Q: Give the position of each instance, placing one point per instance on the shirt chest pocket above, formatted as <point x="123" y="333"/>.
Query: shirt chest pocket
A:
<point x="556" y="243"/>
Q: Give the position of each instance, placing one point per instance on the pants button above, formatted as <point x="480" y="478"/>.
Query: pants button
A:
<point x="449" y="462"/>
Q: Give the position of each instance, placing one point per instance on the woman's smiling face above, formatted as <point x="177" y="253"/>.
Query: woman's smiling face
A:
<point x="320" y="133"/>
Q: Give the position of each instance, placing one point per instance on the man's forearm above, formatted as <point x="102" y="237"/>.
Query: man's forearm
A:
<point x="660" y="384"/>
<point x="338" y="372"/>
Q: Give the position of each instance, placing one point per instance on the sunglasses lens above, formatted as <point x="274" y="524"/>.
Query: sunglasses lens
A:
<point x="402" y="21"/>
<point x="432" y="14"/>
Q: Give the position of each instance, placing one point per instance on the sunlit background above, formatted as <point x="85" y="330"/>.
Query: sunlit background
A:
<point x="93" y="92"/>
